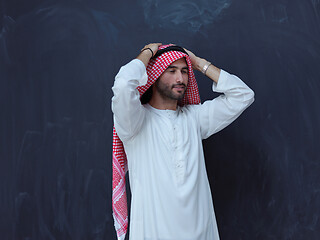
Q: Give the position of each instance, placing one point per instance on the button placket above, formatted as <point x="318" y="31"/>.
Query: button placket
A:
<point x="178" y="164"/>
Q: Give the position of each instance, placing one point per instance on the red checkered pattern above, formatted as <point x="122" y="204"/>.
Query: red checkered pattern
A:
<point x="154" y="69"/>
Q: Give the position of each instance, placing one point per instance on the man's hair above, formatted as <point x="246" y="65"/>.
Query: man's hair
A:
<point x="146" y="97"/>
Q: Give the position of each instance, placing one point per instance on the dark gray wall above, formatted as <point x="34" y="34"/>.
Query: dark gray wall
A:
<point x="57" y="64"/>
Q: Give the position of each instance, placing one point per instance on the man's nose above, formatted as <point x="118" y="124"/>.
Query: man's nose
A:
<point x="179" y="77"/>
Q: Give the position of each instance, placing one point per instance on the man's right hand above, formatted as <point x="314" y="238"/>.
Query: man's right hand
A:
<point x="146" y="53"/>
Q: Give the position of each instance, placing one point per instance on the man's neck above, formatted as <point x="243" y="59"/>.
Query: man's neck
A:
<point x="163" y="104"/>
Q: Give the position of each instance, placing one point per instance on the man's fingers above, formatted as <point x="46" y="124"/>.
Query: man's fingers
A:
<point x="155" y="46"/>
<point x="191" y="54"/>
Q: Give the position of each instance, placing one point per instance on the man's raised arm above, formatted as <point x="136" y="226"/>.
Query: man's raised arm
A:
<point x="128" y="112"/>
<point x="216" y="114"/>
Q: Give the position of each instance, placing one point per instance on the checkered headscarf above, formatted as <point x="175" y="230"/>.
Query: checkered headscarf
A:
<point x="119" y="167"/>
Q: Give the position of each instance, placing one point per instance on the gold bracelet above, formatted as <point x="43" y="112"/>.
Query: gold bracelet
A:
<point x="205" y="67"/>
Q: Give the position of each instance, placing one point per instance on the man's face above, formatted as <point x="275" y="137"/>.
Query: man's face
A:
<point x="173" y="81"/>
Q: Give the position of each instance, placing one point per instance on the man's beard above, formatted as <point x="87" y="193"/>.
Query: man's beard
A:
<point x="167" y="91"/>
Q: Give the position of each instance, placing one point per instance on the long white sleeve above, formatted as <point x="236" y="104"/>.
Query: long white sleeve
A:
<point x="216" y="114"/>
<point x="128" y="112"/>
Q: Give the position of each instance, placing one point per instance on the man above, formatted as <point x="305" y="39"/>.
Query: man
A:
<point x="161" y="123"/>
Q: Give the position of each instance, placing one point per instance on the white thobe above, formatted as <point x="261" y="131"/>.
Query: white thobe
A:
<point x="171" y="197"/>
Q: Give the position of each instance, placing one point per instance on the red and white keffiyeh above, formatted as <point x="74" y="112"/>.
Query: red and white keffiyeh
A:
<point x="119" y="167"/>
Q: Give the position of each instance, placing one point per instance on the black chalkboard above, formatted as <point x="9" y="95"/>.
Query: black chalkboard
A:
<point x="58" y="60"/>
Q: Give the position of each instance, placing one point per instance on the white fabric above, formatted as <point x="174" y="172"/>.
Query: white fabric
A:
<point x="171" y="197"/>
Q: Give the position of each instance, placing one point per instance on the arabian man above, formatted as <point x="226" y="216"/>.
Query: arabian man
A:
<point x="159" y="125"/>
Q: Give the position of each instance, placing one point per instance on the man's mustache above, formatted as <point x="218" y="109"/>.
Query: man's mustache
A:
<point x="179" y="85"/>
